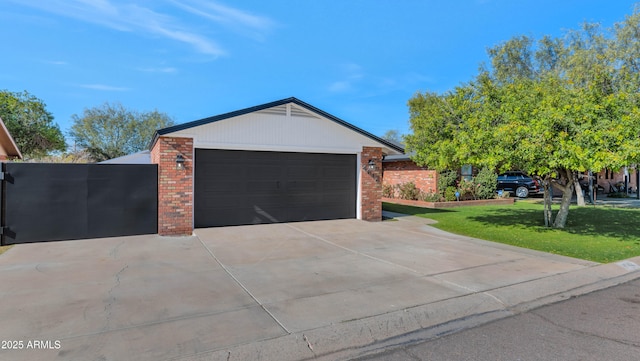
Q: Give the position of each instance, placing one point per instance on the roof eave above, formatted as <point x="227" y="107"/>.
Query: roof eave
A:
<point x="9" y="143"/>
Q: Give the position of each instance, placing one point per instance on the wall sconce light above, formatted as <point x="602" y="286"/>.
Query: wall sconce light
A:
<point x="179" y="161"/>
<point x="372" y="164"/>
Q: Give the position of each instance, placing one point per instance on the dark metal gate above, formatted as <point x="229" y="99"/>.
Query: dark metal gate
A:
<point x="51" y="202"/>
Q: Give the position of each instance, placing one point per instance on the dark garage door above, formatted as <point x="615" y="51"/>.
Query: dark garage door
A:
<point x="246" y="187"/>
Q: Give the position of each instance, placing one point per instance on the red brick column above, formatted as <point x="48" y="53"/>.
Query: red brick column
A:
<point x="175" y="186"/>
<point x="371" y="184"/>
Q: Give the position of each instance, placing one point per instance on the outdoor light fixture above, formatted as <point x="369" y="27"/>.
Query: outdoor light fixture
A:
<point x="179" y="161"/>
<point x="372" y="164"/>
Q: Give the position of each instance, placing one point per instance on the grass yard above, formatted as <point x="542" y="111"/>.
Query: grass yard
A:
<point x="599" y="234"/>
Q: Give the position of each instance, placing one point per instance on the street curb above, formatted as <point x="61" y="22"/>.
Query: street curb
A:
<point x="378" y="333"/>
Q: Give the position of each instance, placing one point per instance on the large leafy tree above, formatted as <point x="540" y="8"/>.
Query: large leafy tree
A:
<point x="552" y="107"/>
<point x="30" y="124"/>
<point x="111" y="130"/>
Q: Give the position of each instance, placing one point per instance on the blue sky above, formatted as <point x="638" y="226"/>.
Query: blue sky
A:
<point x="358" y="60"/>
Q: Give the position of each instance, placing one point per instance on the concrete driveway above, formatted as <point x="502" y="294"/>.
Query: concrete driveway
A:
<point x="282" y="291"/>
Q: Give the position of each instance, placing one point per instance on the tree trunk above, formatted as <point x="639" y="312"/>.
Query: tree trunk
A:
<point x="578" y="188"/>
<point x="548" y="199"/>
<point x="566" y="185"/>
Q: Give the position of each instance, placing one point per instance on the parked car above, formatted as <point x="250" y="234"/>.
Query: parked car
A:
<point x="518" y="183"/>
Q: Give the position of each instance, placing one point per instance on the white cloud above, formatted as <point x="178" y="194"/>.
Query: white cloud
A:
<point x="104" y="87"/>
<point x="167" y="70"/>
<point x="237" y="19"/>
<point x="353" y="74"/>
<point x="129" y="17"/>
<point x="340" y="86"/>
<point x="356" y="80"/>
<point x="55" y="62"/>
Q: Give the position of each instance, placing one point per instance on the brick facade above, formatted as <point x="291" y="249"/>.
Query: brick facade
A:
<point x="394" y="173"/>
<point x="606" y="178"/>
<point x="371" y="184"/>
<point x="175" y="186"/>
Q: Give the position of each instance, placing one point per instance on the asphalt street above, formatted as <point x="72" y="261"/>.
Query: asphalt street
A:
<point x="603" y="325"/>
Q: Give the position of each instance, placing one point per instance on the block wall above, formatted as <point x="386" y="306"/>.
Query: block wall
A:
<point x="395" y="173"/>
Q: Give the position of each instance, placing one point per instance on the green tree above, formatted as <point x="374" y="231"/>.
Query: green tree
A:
<point x="111" y="130"/>
<point x="30" y="124"/>
<point x="392" y="135"/>
<point x="552" y="108"/>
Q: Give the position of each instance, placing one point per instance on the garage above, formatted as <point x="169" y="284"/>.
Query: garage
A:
<point x="234" y="187"/>
<point x="283" y="161"/>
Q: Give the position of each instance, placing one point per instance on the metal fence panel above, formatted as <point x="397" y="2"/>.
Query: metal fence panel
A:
<point x="50" y="202"/>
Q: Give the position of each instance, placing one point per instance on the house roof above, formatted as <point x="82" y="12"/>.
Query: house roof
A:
<point x="142" y="157"/>
<point x="277" y="103"/>
<point x="7" y="144"/>
<point x="397" y="158"/>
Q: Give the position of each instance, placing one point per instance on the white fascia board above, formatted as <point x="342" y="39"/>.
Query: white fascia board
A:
<point x="275" y="148"/>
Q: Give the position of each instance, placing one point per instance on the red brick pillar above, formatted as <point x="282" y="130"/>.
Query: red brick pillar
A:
<point x="371" y="184"/>
<point x="175" y="186"/>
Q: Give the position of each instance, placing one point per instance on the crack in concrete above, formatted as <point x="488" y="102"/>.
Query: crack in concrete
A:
<point x="114" y="252"/>
<point x="111" y="298"/>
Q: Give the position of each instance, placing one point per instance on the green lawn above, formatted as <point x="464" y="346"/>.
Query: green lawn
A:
<point x="599" y="234"/>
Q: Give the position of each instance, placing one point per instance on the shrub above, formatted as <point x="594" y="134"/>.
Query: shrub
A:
<point x="467" y="189"/>
<point x="450" y="193"/>
<point x="430" y="197"/>
<point x="388" y="191"/>
<point x="487" y="182"/>
<point x="408" y="191"/>
<point x="445" y="180"/>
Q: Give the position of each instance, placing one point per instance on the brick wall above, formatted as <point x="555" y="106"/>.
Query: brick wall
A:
<point x="606" y="178"/>
<point x="407" y="171"/>
<point x="175" y="186"/>
<point x="371" y="184"/>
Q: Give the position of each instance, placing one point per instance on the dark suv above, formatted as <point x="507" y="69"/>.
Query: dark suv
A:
<point x="518" y="183"/>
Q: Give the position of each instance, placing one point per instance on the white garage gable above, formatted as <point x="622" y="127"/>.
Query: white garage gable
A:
<point x="288" y="125"/>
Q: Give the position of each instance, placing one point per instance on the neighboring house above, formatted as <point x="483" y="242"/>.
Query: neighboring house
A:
<point x="8" y="148"/>
<point x="277" y="162"/>
<point x="612" y="181"/>
<point x="399" y="169"/>
<point x="142" y="157"/>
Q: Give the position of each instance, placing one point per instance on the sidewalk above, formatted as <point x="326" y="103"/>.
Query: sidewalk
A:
<point x="602" y="200"/>
<point x="618" y="202"/>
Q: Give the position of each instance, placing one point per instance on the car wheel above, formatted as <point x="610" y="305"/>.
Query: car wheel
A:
<point x="522" y="192"/>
